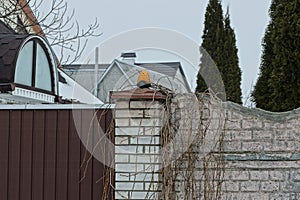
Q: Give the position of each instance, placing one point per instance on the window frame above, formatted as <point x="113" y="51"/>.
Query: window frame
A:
<point x="46" y="49"/>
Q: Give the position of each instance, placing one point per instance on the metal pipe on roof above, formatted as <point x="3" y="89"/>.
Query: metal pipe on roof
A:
<point x="96" y="71"/>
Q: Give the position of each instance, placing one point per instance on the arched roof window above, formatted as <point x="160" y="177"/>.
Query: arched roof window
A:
<point x="34" y="67"/>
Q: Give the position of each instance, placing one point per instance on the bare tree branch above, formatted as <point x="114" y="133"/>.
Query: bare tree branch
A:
<point x="56" y="23"/>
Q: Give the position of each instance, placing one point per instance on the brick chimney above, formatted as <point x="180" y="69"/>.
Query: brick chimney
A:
<point x="129" y="57"/>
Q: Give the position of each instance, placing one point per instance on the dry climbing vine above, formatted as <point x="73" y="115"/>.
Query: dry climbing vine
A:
<point x="194" y="165"/>
<point x="192" y="148"/>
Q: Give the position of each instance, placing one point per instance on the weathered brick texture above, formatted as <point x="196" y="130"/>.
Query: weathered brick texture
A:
<point x="137" y="144"/>
<point x="261" y="151"/>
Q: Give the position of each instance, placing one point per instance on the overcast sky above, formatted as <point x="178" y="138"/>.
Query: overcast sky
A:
<point x="249" y="19"/>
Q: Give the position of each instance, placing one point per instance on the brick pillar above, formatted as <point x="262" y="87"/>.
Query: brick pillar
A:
<point x="138" y="119"/>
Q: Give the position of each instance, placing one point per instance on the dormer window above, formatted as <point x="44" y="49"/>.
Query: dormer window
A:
<point x="33" y="67"/>
<point x="28" y="68"/>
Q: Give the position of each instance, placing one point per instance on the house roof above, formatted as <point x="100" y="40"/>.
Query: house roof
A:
<point x="76" y="67"/>
<point x="74" y="92"/>
<point x="4" y="29"/>
<point x="122" y="75"/>
<point x="31" y="19"/>
<point x="167" y="68"/>
<point x="111" y="77"/>
<point x="84" y="74"/>
<point x="27" y="19"/>
<point x="10" y="44"/>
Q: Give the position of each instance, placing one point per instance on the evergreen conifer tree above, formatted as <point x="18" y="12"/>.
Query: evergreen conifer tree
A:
<point x="233" y="75"/>
<point x="278" y="86"/>
<point x="220" y="44"/>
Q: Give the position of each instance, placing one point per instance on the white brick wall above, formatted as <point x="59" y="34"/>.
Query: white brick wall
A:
<point x="137" y="144"/>
<point x="261" y="151"/>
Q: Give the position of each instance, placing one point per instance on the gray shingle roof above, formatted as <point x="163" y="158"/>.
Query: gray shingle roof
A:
<point x="168" y="68"/>
<point x="84" y="74"/>
<point x="4" y="29"/>
<point x="9" y="48"/>
<point x="83" y="66"/>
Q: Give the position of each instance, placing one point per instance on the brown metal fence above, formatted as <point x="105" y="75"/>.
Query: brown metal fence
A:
<point x="43" y="158"/>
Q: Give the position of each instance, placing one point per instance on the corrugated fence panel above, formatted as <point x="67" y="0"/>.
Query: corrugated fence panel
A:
<point x="74" y="157"/>
<point x="42" y="156"/>
<point x="86" y="163"/>
<point x="62" y="155"/>
<point x="14" y="155"/>
<point x="97" y="144"/>
<point x="50" y="154"/>
<point x="38" y="154"/>
<point x="26" y="155"/>
<point x="4" y="141"/>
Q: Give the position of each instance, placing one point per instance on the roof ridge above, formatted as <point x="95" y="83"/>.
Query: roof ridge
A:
<point x="161" y="62"/>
